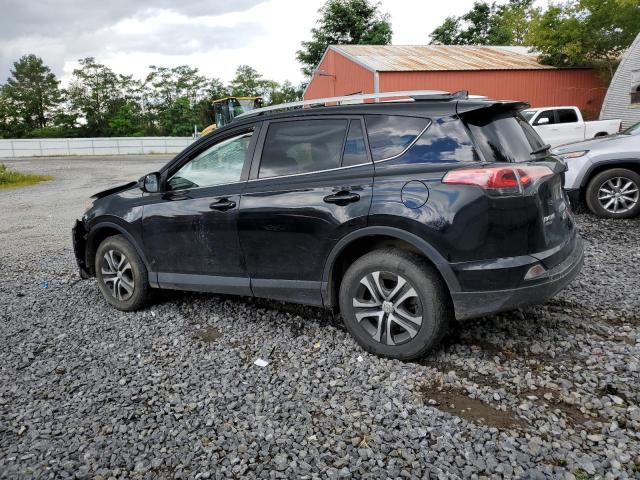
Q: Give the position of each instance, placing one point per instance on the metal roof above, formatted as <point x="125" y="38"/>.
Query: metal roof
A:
<point x="412" y="58"/>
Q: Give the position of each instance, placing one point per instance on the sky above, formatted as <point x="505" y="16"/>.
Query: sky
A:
<point x="213" y="35"/>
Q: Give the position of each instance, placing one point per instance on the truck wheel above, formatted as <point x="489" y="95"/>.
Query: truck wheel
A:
<point x="121" y="274"/>
<point x="614" y="193"/>
<point x="395" y="304"/>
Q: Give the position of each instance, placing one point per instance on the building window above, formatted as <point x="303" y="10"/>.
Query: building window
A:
<point x="635" y="95"/>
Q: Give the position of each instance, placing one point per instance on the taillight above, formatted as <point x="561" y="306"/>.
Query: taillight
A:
<point x="499" y="180"/>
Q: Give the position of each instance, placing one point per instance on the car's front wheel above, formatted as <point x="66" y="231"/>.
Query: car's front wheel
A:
<point x="121" y="274"/>
<point x="614" y="193"/>
<point x="394" y="304"/>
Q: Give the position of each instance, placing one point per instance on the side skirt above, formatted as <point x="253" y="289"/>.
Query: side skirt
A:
<point x="205" y="283"/>
<point x="294" y="291"/>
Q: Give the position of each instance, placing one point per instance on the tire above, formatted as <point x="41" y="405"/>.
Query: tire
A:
<point x="123" y="283"/>
<point x="383" y="270"/>
<point x="621" y="181"/>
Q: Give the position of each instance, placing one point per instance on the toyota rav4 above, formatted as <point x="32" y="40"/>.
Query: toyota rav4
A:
<point x="402" y="215"/>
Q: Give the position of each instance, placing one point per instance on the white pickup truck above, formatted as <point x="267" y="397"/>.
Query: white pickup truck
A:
<point x="560" y="125"/>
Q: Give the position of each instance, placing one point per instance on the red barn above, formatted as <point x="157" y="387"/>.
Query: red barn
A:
<point x="509" y="73"/>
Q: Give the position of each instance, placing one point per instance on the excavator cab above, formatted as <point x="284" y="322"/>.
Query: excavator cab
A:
<point x="226" y="109"/>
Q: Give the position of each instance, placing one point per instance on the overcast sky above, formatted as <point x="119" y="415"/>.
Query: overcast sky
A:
<point x="213" y="35"/>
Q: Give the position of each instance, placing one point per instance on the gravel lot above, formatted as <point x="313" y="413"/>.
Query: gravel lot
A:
<point x="172" y="392"/>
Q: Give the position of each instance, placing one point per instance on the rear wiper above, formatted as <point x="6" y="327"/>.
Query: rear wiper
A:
<point x="541" y="149"/>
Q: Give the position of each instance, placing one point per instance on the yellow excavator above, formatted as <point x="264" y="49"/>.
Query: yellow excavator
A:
<point x="226" y="109"/>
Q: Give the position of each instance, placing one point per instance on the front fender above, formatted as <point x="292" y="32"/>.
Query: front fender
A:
<point x="95" y="235"/>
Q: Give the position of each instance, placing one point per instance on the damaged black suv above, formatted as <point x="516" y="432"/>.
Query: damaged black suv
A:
<point x="403" y="215"/>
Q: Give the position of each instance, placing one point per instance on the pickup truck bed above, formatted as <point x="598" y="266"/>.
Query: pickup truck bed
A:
<point x="561" y="125"/>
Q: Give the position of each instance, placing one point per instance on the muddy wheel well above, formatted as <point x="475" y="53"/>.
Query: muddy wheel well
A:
<point x="94" y="241"/>
<point x="355" y="250"/>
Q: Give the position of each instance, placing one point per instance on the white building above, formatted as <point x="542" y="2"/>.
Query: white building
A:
<point x="623" y="97"/>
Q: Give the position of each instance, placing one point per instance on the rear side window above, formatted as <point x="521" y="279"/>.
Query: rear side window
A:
<point x="567" y="115"/>
<point x="446" y="140"/>
<point x="354" y="150"/>
<point x="503" y="137"/>
<point x="302" y="146"/>
<point x="390" y="135"/>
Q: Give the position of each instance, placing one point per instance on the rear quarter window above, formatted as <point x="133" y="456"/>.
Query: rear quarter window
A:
<point x="390" y="135"/>
<point x="445" y="141"/>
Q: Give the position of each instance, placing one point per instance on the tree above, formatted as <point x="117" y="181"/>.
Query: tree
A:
<point x="247" y="82"/>
<point x="486" y="24"/>
<point x="583" y="33"/>
<point x="285" y="93"/>
<point x="92" y="91"/>
<point x="344" y="22"/>
<point x="30" y="95"/>
<point x="178" y="119"/>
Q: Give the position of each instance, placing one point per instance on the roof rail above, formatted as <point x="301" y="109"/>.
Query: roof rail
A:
<point x="415" y="95"/>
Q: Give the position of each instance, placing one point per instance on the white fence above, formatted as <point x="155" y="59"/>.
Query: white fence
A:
<point x="39" y="147"/>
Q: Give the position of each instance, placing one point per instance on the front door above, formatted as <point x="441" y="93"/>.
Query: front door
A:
<point x="190" y="230"/>
<point x="310" y="184"/>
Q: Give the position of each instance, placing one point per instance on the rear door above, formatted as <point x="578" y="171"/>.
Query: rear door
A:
<point x="570" y="126"/>
<point x="310" y="184"/>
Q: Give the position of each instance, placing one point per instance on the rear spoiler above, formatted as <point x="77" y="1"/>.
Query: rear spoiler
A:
<point x="463" y="107"/>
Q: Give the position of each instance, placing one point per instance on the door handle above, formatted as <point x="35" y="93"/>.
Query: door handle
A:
<point x="342" y="198"/>
<point x="223" y="204"/>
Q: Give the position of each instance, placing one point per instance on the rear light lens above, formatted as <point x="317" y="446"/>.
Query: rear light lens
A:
<point x="499" y="180"/>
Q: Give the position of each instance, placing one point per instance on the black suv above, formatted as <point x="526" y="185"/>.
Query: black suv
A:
<point x="404" y="215"/>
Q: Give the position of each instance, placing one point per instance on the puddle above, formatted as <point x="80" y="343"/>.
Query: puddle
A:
<point x="471" y="410"/>
<point x="208" y="335"/>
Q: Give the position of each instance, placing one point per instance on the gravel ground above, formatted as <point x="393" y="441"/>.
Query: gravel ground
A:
<point x="172" y="391"/>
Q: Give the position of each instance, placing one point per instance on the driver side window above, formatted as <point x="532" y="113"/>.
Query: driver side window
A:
<point x="219" y="164"/>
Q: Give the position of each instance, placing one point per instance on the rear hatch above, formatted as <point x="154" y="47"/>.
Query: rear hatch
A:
<point x="531" y="210"/>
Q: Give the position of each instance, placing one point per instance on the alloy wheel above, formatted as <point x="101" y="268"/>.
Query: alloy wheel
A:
<point x="117" y="274"/>
<point x="618" y="195"/>
<point x="388" y="308"/>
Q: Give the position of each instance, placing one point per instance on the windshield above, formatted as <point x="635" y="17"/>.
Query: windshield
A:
<point x="632" y="130"/>
<point x="504" y="136"/>
<point x="528" y="114"/>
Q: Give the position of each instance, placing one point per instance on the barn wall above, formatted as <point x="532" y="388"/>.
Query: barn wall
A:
<point x="541" y="88"/>
<point x="350" y="78"/>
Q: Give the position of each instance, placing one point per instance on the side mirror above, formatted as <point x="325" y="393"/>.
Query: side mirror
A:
<point x="542" y="121"/>
<point x="150" y="183"/>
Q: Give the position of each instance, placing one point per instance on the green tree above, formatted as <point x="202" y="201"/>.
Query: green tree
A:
<point x="582" y="33"/>
<point x="486" y="24"/>
<point x="344" y="22"/>
<point x="287" y="92"/>
<point x="91" y="94"/>
<point x="179" y="118"/>
<point x="247" y="82"/>
<point x="30" y="96"/>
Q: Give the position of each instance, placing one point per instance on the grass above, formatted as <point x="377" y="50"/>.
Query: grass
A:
<point x="13" y="179"/>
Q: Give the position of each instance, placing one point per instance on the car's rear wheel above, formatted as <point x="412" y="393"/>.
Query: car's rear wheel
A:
<point x="394" y="304"/>
<point x="121" y="274"/>
<point x="614" y="193"/>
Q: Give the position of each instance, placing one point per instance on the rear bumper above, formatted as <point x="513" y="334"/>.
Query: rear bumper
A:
<point x="79" y="236"/>
<point x="480" y="303"/>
